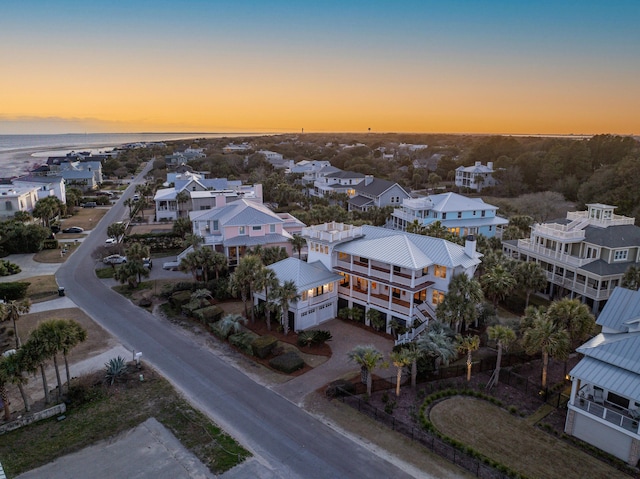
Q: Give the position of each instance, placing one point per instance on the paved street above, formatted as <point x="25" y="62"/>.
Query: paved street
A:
<point x="288" y="442"/>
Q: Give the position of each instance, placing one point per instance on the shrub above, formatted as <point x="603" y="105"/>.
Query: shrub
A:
<point x="389" y="407"/>
<point x="242" y="341"/>
<point x="208" y="315"/>
<point x="263" y="346"/>
<point x="340" y="387"/>
<point x="180" y="298"/>
<point x="305" y="338"/>
<point x="116" y="368"/>
<point x="313" y="337"/>
<point x="190" y="307"/>
<point x="287" y="362"/>
<point x="13" y="290"/>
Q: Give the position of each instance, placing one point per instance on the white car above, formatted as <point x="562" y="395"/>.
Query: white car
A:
<point x="111" y="241"/>
<point x="114" y="259"/>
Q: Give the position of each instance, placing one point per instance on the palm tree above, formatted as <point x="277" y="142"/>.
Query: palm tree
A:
<point x="438" y="343"/>
<point x="181" y="198"/>
<point x="12" y="368"/>
<point x="116" y="230"/>
<point x="137" y="251"/>
<point x="415" y="227"/>
<point x="130" y="204"/>
<point x="286" y="293"/>
<point x="467" y="345"/>
<point x="297" y="243"/>
<point x="230" y="323"/>
<point x="190" y="262"/>
<point x="268" y="282"/>
<point x="531" y="277"/>
<point x="131" y="273"/>
<point x="247" y="273"/>
<point x="414" y="353"/>
<point x="52" y="334"/>
<point x="219" y="263"/>
<point x="497" y="283"/>
<point x="4" y="394"/>
<point x="574" y="316"/>
<point x="503" y="336"/>
<point x="181" y="227"/>
<point x="400" y="360"/>
<point x="631" y="278"/>
<point x="37" y="351"/>
<point x="47" y="208"/>
<point x="367" y="357"/>
<point x="72" y="335"/>
<point x="546" y="337"/>
<point x="460" y="304"/>
<point x="11" y="311"/>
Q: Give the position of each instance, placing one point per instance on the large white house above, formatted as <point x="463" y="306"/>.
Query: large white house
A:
<point x="459" y="214"/>
<point x="585" y="255"/>
<point x="17" y="198"/>
<point x="475" y="177"/>
<point x="401" y="275"/>
<point x="201" y="194"/>
<point x="604" y="407"/>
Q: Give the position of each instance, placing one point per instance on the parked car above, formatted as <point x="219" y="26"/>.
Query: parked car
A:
<point x="111" y="241"/>
<point x="90" y="204"/>
<point x="147" y="263"/>
<point x="73" y="229"/>
<point x="114" y="259"/>
<point x="170" y="265"/>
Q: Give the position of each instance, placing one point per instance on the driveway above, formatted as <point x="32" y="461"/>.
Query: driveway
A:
<point x="29" y="267"/>
<point x="345" y="337"/>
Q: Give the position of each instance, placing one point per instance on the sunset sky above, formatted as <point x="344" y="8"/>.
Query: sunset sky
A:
<point x="513" y="67"/>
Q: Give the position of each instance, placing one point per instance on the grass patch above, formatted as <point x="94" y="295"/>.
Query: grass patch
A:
<point x="105" y="273"/>
<point x="54" y="255"/>
<point x="86" y="218"/>
<point x="511" y="441"/>
<point x="100" y="412"/>
<point x="42" y="288"/>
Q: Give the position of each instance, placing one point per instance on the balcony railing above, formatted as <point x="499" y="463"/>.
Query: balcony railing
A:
<point x="560" y="232"/>
<point x="615" y="220"/>
<point x="527" y="245"/>
<point x="621" y="418"/>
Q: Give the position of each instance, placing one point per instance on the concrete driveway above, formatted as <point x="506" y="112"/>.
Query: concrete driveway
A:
<point x="29" y="267"/>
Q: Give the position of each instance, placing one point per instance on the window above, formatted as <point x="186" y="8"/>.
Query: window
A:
<point x="620" y="255"/>
<point x="256" y="228"/>
<point x="425" y="271"/>
<point x="482" y="213"/>
<point x="272" y="228"/>
<point x="215" y="225"/>
<point x="437" y="297"/>
<point x="364" y="260"/>
<point x="9" y="206"/>
<point x="592" y="252"/>
<point x="474" y="213"/>
<point x="303" y="296"/>
<point x="459" y="214"/>
<point x="205" y="207"/>
<point x="444" y="216"/>
<point x="342" y="256"/>
<point x="345" y="279"/>
<point x="396" y="269"/>
<point x="242" y="230"/>
<point x="440" y="271"/>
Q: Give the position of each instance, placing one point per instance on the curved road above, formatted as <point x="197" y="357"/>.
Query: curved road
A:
<point x="286" y="439"/>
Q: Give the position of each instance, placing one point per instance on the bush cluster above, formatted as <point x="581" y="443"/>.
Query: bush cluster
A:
<point x="313" y="337"/>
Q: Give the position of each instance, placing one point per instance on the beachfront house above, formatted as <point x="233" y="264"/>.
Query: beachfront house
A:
<point x="15" y="198"/>
<point x="584" y="255"/>
<point x="460" y="214"/>
<point x="604" y="406"/>
<point x="46" y="185"/>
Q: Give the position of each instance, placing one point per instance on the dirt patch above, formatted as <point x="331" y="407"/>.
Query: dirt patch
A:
<point x="85" y="218"/>
<point x="58" y="255"/>
<point x="42" y="288"/>
<point x="151" y="228"/>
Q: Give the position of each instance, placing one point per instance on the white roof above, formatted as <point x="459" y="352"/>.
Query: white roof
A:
<point x="446" y="202"/>
<point x="407" y="250"/>
<point x="304" y="275"/>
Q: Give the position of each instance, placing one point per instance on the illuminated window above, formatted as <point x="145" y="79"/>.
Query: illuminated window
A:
<point x="440" y="271"/>
<point x="342" y="256"/>
<point x="425" y="271"/>
<point x="304" y="296"/>
<point x="437" y="297"/>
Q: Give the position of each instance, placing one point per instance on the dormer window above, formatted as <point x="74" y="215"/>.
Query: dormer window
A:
<point x="621" y="255"/>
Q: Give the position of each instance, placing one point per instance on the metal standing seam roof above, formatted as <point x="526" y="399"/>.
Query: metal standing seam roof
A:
<point x="623" y="305"/>
<point x="445" y="202"/>
<point x="621" y="350"/>
<point x="246" y="240"/>
<point x="304" y="275"/>
<point x="607" y="376"/>
<point x="434" y="250"/>
<point x="239" y="213"/>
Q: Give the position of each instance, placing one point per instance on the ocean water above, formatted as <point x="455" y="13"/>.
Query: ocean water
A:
<point x="20" y="153"/>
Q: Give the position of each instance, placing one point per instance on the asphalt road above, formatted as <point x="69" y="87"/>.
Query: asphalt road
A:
<point x="286" y="439"/>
